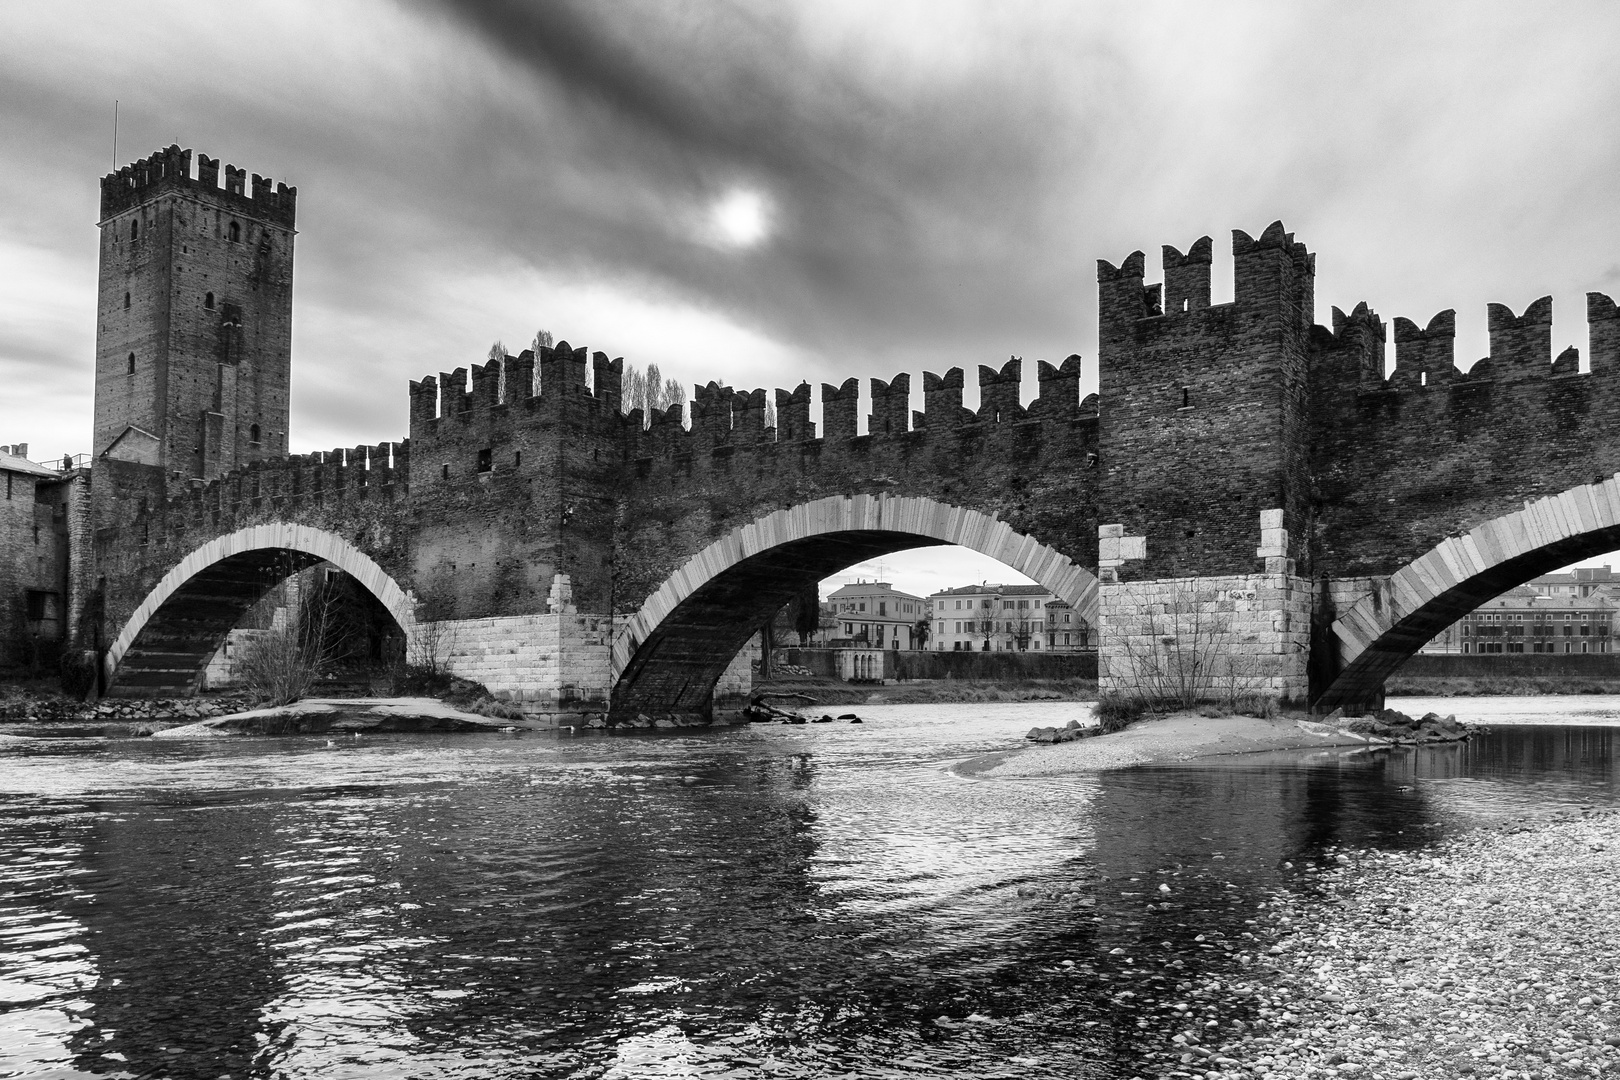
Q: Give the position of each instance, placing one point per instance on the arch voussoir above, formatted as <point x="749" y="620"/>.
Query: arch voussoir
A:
<point x="1385" y="627"/>
<point x="863" y="523"/>
<point x="312" y="544"/>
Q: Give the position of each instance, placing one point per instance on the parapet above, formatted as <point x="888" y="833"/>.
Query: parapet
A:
<point x="462" y="394"/>
<point x="1425" y="356"/>
<point x="723" y="417"/>
<point x="170" y="170"/>
<point x="1274" y="270"/>
<point x="1520" y="346"/>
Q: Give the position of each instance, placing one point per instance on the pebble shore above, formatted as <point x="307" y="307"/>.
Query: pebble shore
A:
<point x="1495" y="953"/>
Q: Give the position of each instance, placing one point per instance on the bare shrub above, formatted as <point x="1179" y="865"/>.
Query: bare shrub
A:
<point x="280" y="664"/>
<point x="1116" y="712"/>
<point x="1186" y="654"/>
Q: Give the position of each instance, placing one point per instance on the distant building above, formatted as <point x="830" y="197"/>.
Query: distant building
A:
<point x="1524" y="620"/>
<point x="1005" y="618"/>
<point x="875" y="613"/>
<point x="1582" y="581"/>
<point x="1066" y="631"/>
<point x="43" y="524"/>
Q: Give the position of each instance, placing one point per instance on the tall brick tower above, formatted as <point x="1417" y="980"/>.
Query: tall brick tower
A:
<point x="194" y="317"/>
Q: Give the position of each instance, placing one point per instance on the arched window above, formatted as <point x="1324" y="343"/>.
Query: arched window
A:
<point x="253" y="434"/>
<point x="134" y="230"/>
<point x="126" y="301"/>
<point x="132" y="363"/>
<point x="208" y="301"/>
<point x="235" y="233"/>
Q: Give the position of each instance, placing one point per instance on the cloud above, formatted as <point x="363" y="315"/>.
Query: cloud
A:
<point x="772" y="192"/>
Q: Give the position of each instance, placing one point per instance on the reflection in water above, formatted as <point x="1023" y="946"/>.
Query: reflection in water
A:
<point x="766" y="902"/>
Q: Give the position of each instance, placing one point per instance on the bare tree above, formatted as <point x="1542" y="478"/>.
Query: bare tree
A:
<point x="633" y="392"/>
<point x="1181" y="652"/>
<point x="281" y="664"/>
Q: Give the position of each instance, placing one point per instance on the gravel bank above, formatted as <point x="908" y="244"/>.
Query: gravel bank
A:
<point x="1496" y="953"/>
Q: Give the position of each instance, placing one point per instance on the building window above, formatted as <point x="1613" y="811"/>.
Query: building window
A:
<point x="234" y="233"/>
<point x="131" y="363"/>
<point x="517" y="458"/>
<point x="253" y="434"/>
<point x="486" y="460"/>
<point x="445" y="470"/>
<point x="208" y="301"/>
<point x="134" y="231"/>
<point x="126" y="301"/>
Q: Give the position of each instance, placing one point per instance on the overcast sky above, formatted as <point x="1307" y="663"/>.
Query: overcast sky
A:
<point x="764" y="193"/>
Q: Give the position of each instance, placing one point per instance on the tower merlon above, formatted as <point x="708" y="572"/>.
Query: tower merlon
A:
<point x="170" y="170"/>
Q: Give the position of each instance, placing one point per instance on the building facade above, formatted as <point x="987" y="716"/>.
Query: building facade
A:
<point x="42" y="531"/>
<point x="875" y="613"/>
<point x="1525" y="620"/>
<point x="1005" y="618"/>
<point x="1066" y="631"/>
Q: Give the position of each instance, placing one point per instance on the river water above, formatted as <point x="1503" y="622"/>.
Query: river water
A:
<point x="819" y="901"/>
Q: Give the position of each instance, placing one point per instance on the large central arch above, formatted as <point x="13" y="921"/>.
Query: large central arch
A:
<point x="168" y="640"/>
<point x="669" y="655"/>
<point x="1379" y="632"/>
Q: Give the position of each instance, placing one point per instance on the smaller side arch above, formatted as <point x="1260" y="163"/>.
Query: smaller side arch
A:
<point x="189" y="592"/>
<point x="1380" y="631"/>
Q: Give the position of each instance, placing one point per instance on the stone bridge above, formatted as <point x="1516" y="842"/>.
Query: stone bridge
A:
<point x="1243" y="474"/>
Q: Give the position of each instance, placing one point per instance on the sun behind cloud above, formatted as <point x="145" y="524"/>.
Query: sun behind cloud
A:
<point x="739" y="219"/>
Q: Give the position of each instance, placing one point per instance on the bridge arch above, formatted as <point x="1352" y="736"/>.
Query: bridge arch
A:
<point x="1380" y="631"/>
<point x="669" y="654"/>
<point x="174" y="631"/>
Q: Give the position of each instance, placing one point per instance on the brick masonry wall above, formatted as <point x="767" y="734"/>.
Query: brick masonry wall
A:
<point x="522" y="470"/>
<point x="1223" y="635"/>
<point x="511" y="487"/>
<point x="1034" y="469"/>
<point x="1203" y="404"/>
<point x="166" y="243"/>
<point x="1431" y="452"/>
<point x="140" y="535"/>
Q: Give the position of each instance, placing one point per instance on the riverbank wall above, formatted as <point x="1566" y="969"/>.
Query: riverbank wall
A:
<point x="1000" y="667"/>
<point x="1512" y="665"/>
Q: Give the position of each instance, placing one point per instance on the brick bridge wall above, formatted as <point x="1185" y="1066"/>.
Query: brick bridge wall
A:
<point x="1240" y="455"/>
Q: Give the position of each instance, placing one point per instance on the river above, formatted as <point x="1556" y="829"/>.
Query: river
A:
<point x="818" y="901"/>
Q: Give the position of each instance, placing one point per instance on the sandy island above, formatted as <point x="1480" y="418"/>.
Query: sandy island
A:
<point x="315" y="715"/>
<point x="1175" y="737"/>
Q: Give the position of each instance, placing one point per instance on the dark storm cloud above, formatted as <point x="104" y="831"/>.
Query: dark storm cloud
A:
<point x="902" y="215"/>
<point x="939" y="176"/>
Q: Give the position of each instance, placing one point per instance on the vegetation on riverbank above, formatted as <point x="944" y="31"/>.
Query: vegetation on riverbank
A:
<point x="824" y="691"/>
<point x="1497" y="685"/>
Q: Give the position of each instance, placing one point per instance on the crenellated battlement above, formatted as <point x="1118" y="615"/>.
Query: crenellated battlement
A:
<point x="170" y="170"/>
<point x="1272" y="273"/>
<point x="459" y="406"/>
<point x="329" y="476"/>
<point x="1425" y="356"/>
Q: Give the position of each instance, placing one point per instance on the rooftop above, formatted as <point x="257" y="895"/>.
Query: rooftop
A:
<point x="19" y="464"/>
<point x="871" y="588"/>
